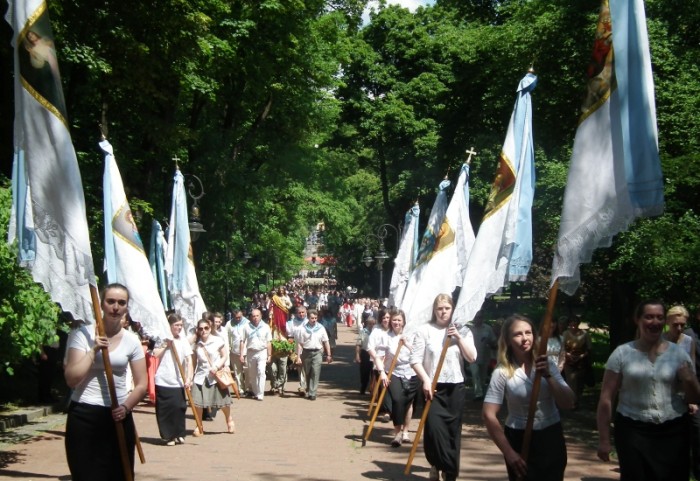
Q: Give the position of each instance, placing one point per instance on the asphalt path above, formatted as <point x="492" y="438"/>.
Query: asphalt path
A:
<point x="293" y="439"/>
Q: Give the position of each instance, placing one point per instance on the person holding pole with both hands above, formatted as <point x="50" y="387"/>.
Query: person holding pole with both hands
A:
<point x="91" y="442"/>
<point x="513" y="380"/>
<point x="445" y="405"/>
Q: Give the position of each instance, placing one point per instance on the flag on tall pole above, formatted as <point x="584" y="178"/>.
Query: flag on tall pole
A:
<point x="125" y="257"/>
<point x="179" y="262"/>
<point x="405" y="258"/>
<point x="156" y="258"/>
<point x="615" y="172"/>
<point x="502" y="250"/>
<point x="50" y="222"/>
<point x="443" y="270"/>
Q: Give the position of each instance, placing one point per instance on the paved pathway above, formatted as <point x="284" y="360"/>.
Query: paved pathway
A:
<point x="293" y="439"/>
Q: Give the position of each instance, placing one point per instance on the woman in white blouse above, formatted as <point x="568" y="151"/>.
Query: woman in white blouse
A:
<point x="443" y="427"/>
<point x="512" y="381"/>
<point x="654" y="381"/>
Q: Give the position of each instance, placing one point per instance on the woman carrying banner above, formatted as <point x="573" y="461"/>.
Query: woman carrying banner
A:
<point x="443" y="425"/>
<point x="513" y="380"/>
<point x="653" y="380"/>
<point x="403" y="384"/>
<point x="92" y="447"/>
<point x="171" y="400"/>
<point x="210" y="356"/>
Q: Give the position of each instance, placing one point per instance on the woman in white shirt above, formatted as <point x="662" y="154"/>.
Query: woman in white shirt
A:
<point x="92" y="449"/>
<point x="653" y="380"/>
<point x="443" y="427"/>
<point x="171" y="401"/>
<point x="376" y="347"/>
<point x="210" y="356"/>
<point x="513" y="380"/>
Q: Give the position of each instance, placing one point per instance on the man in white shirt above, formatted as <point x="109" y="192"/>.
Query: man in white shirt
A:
<point x="235" y="330"/>
<point x="313" y="339"/>
<point x="293" y="325"/>
<point x="257" y="338"/>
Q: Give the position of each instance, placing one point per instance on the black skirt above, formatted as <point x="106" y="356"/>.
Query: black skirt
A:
<point x="92" y="448"/>
<point x="547" y="456"/>
<point x="653" y="452"/>
<point x="443" y="427"/>
<point x="171" y="407"/>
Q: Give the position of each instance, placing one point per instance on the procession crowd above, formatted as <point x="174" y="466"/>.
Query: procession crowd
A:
<point x="426" y="367"/>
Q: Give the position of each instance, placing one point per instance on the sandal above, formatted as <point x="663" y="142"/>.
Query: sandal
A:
<point x="231" y="426"/>
<point x="197" y="433"/>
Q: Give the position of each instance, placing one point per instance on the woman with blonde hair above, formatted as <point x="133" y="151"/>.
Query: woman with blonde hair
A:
<point x="513" y="380"/>
<point x="677" y="322"/>
<point x="443" y="427"/>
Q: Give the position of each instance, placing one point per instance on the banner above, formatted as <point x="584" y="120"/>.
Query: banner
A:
<point x="405" y="258"/>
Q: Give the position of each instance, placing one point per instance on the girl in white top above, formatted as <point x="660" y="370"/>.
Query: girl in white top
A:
<point x="403" y="384"/>
<point x="513" y="380"/>
<point x="92" y="448"/>
<point x="443" y="426"/>
<point x="677" y="321"/>
<point x="377" y="347"/>
<point x="171" y="404"/>
<point x="653" y="380"/>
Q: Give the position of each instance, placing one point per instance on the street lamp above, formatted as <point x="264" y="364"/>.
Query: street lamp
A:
<point x="196" y="227"/>
<point x="381" y="256"/>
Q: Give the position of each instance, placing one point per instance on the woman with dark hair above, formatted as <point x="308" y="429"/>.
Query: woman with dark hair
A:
<point x="210" y="356"/>
<point x="376" y="347"/>
<point x="513" y="380"/>
<point x="171" y="401"/>
<point x="443" y="427"/>
<point x="403" y="384"/>
<point x="92" y="447"/>
<point x="653" y="381"/>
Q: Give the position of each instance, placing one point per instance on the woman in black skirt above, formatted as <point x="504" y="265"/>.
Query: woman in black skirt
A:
<point x="171" y="401"/>
<point x="92" y="448"/>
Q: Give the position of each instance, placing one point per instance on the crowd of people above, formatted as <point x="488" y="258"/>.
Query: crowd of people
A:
<point x="419" y="366"/>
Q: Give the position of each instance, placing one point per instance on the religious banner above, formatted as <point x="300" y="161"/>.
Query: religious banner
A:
<point x="615" y="172"/>
<point x="156" y="258"/>
<point x="405" y="258"/>
<point x="49" y="215"/>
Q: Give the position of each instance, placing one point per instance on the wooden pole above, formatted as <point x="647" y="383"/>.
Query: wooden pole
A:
<point x="542" y="349"/>
<point x="424" y="416"/>
<point x="375" y="391"/>
<point x="121" y="436"/>
<point x="139" y="448"/>
<point x="197" y="420"/>
<point x="381" y="396"/>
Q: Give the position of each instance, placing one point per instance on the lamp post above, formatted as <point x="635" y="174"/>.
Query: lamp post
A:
<point x="196" y="227"/>
<point x="381" y="256"/>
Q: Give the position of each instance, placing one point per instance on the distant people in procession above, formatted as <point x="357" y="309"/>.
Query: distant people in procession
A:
<point x="92" y="448"/>
<point x="653" y="380"/>
<point x="512" y="381"/>
<point x="313" y="340"/>
<point x="443" y="427"/>
<point x="362" y="356"/>
<point x="577" y="357"/>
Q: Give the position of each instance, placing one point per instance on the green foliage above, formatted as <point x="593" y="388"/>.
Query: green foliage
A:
<point x="28" y="318"/>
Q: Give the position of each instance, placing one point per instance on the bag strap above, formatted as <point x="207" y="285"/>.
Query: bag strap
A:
<point x="206" y="353"/>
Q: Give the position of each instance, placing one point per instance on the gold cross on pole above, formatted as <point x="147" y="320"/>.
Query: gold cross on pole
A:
<point x="176" y="159"/>
<point x="471" y="152"/>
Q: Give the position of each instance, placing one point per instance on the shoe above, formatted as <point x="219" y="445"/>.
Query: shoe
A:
<point x="404" y="438"/>
<point x="396" y="442"/>
<point x="249" y="394"/>
<point x="312" y="398"/>
<point x="231" y="426"/>
<point x="448" y="476"/>
<point x="170" y="443"/>
<point x="434" y="474"/>
<point x="258" y="398"/>
<point x="385" y="417"/>
<point x="180" y="440"/>
<point x="197" y="433"/>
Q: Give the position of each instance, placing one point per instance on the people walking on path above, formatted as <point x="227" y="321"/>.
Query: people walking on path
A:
<point x="257" y="346"/>
<point x="235" y="330"/>
<point x="295" y="323"/>
<point x="443" y="425"/>
<point x="485" y="341"/>
<point x="91" y="442"/>
<point x="171" y="400"/>
<point x="313" y="339"/>
<point x="512" y="381"/>
<point x="362" y="357"/>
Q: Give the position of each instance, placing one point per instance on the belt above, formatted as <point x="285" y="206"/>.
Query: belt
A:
<point x="311" y="350"/>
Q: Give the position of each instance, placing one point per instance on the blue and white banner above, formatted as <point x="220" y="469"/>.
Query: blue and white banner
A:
<point x="405" y="258"/>
<point x="502" y="251"/>
<point x="156" y="258"/>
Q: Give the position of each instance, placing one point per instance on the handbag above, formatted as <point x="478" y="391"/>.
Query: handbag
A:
<point x="223" y="377"/>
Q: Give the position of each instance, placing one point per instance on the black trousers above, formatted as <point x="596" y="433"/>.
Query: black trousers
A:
<point x="443" y="427"/>
<point x="547" y="457"/>
<point x="92" y="449"/>
<point x="171" y="407"/>
<point x="403" y="393"/>
<point x="653" y="452"/>
<point x="365" y="370"/>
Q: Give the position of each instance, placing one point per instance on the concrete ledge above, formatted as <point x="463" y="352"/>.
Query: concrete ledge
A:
<point x="22" y="416"/>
